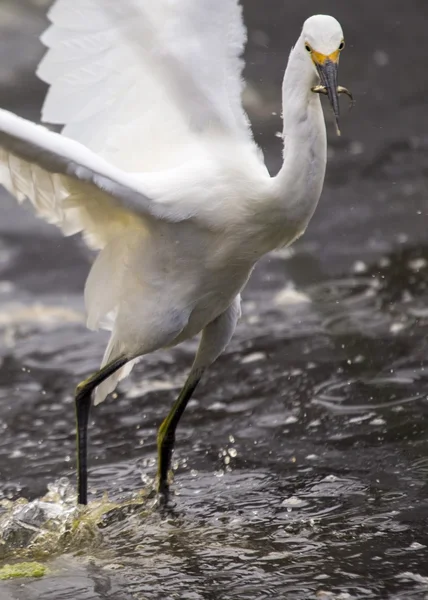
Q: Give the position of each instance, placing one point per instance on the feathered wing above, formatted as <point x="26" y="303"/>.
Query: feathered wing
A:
<point x="143" y="85"/>
<point x="72" y="187"/>
<point x="141" y="82"/>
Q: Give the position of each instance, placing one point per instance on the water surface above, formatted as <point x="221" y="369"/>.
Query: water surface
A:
<point x="301" y="464"/>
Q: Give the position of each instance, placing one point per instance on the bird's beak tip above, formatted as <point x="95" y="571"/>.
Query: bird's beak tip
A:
<point x="338" y="132"/>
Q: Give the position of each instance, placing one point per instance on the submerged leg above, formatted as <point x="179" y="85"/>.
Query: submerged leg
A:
<point x="83" y="404"/>
<point x="215" y="338"/>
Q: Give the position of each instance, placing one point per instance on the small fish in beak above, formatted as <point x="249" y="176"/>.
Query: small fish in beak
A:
<point x="327" y="71"/>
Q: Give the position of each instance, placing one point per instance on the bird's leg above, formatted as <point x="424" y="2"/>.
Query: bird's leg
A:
<point x="83" y="405"/>
<point x="166" y="433"/>
<point x="214" y="340"/>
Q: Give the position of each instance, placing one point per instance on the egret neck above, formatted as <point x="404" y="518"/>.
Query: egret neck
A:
<point x="299" y="183"/>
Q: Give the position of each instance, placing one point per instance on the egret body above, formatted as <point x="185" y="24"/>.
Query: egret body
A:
<point x="156" y="166"/>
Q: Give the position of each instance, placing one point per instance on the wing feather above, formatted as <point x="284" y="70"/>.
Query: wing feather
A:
<point x="72" y="187"/>
<point x="143" y="82"/>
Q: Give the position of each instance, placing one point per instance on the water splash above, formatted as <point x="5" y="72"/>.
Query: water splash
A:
<point x="55" y="524"/>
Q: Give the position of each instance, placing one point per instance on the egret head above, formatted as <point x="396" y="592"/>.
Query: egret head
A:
<point x="323" y="41"/>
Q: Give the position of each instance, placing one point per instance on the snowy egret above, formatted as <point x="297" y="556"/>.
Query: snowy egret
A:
<point x="157" y="167"/>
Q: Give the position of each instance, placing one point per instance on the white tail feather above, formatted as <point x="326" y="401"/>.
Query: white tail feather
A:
<point x="113" y="350"/>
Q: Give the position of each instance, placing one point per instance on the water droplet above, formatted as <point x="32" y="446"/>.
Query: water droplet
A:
<point x="381" y="58"/>
<point x="359" y="267"/>
<point x="396" y="327"/>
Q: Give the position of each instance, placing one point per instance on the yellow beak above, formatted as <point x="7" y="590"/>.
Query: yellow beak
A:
<point x="320" y="59"/>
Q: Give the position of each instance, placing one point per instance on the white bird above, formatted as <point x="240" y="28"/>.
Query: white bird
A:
<point x="156" y="166"/>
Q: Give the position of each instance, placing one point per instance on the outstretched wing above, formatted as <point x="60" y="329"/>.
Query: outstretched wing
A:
<point x="144" y="82"/>
<point x="71" y="186"/>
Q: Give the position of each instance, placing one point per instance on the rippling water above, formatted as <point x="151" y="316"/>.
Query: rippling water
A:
<point x="301" y="465"/>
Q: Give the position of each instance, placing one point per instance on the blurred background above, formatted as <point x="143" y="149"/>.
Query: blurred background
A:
<point x="302" y="463"/>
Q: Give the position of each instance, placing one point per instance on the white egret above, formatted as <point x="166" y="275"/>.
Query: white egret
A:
<point x="156" y="166"/>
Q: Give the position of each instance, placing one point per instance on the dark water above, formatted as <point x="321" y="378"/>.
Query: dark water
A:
<point x="302" y="463"/>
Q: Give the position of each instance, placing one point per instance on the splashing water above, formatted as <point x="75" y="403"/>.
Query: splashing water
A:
<point x="55" y="525"/>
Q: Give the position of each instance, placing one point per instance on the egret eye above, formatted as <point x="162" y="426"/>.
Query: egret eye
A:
<point x="342" y="45"/>
<point x="308" y="48"/>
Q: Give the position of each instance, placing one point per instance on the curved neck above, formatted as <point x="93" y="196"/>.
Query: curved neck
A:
<point x="305" y="142"/>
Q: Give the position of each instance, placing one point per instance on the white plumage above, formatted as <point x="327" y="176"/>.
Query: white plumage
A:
<point x="129" y="77"/>
<point x="157" y="167"/>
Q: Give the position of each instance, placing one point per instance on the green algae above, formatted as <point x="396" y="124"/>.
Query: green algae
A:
<point x="23" y="569"/>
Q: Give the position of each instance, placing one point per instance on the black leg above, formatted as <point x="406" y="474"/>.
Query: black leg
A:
<point x="166" y="433"/>
<point x="83" y="405"/>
